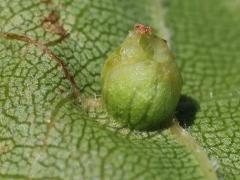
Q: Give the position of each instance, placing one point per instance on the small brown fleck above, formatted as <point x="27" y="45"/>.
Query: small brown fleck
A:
<point x="142" y="29"/>
<point x="61" y="89"/>
<point x="3" y="149"/>
<point x="51" y="24"/>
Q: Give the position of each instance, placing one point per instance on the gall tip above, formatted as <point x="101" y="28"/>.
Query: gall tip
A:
<point x="142" y="29"/>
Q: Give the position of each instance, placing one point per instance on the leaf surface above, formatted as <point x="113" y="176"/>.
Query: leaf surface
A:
<point x="51" y="54"/>
<point x="206" y="42"/>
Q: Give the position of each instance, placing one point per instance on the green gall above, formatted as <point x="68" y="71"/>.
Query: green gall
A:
<point x="141" y="82"/>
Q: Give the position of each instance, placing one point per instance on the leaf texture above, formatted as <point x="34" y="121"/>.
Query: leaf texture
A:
<point x="51" y="54"/>
<point x="206" y="40"/>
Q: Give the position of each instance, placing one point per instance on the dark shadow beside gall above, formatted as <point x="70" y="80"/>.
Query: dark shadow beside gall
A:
<point x="186" y="111"/>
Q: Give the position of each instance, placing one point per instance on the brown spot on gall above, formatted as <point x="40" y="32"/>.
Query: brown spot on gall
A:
<point x="142" y="29"/>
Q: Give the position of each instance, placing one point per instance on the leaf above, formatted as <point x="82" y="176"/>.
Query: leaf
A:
<point x="206" y="42"/>
<point x="51" y="53"/>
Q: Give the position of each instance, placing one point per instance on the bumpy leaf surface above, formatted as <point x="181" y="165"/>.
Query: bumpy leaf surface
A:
<point x="51" y="54"/>
<point x="206" y="39"/>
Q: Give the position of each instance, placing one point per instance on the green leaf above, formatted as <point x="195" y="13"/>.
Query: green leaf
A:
<point x="51" y="123"/>
<point x="206" y="42"/>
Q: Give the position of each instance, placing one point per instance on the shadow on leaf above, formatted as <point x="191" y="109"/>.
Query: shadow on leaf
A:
<point x="186" y="111"/>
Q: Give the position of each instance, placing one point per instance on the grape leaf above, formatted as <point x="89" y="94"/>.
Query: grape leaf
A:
<point x="51" y="124"/>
